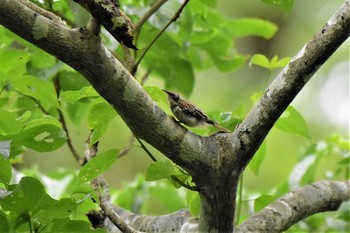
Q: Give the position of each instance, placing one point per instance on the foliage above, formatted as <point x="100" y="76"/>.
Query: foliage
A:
<point x="39" y="94"/>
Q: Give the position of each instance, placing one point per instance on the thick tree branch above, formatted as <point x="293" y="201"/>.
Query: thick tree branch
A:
<point x="100" y="186"/>
<point x="107" y="12"/>
<point x="215" y="162"/>
<point x="83" y="51"/>
<point x="179" y="221"/>
<point x="252" y="131"/>
<point x="306" y="201"/>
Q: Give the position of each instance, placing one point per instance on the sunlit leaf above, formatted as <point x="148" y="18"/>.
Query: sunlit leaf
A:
<point x="41" y="138"/>
<point x="263" y="201"/>
<point x="258" y="158"/>
<point x="37" y="88"/>
<point x="283" y="62"/>
<point x="73" y="96"/>
<point x="159" y="170"/>
<point x="293" y="122"/>
<point x="100" y="115"/>
<point x="193" y="203"/>
<point x="9" y="123"/>
<point x="97" y="165"/>
<point x="28" y="195"/>
<point x="260" y="60"/>
<point x="5" y="171"/>
<point x="252" y="27"/>
<point x="13" y="63"/>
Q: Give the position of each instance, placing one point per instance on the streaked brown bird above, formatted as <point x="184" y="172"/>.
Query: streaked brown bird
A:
<point x="189" y="114"/>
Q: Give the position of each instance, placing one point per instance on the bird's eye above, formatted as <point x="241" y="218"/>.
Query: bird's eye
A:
<point x="175" y="96"/>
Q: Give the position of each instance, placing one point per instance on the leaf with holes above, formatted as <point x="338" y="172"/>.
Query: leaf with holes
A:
<point x="41" y="138"/>
<point x="100" y="163"/>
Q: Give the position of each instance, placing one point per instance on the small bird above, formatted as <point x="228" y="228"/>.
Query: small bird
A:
<point x="189" y="114"/>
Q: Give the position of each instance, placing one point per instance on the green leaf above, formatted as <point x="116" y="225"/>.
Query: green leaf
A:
<point x="178" y="75"/>
<point x="343" y="212"/>
<point x="260" y="60"/>
<point x="285" y="5"/>
<point x="263" y="201"/>
<point x="229" y="63"/>
<point x="28" y="195"/>
<point x="97" y="165"/>
<point x="4" y="226"/>
<point x="64" y="8"/>
<point x="283" y="62"/>
<point x="45" y="120"/>
<point x="159" y="170"/>
<point x="258" y="158"/>
<point x="9" y="123"/>
<point x="5" y="171"/>
<point x="252" y="27"/>
<point x="13" y="63"/>
<point x="193" y="203"/>
<point x="58" y="209"/>
<point x="156" y="94"/>
<point x="292" y="122"/>
<point x="37" y="88"/>
<point x="165" y="194"/>
<point x="225" y="119"/>
<point x="41" y="60"/>
<point x="73" y="226"/>
<point x="41" y="138"/>
<point x="73" y="96"/>
<point x="100" y="115"/>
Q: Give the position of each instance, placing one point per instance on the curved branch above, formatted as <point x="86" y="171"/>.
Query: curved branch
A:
<point x="83" y="51"/>
<point x="99" y="183"/>
<point x="318" y="197"/>
<point x="252" y="131"/>
<point x="149" y="13"/>
<point x="179" y="221"/>
<point x="107" y="12"/>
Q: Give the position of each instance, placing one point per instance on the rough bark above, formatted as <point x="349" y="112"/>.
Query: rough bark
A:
<point x="278" y="216"/>
<point x="215" y="162"/>
<point x="311" y="199"/>
<point x="108" y="13"/>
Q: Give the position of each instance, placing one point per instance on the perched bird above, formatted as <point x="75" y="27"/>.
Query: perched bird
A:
<point x="189" y="114"/>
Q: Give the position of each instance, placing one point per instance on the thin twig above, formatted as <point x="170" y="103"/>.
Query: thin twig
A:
<point x="39" y="105"/>
<point x="144" y="77"/>
<point x="173" y="19"/>
<point x="104" y="196"/>
<point x="148" y="14"/>
<point x="64" y="125"/>
<point x="146" y="150"/>
<point x="177" y="180"/>
<point x="128" y="148"/>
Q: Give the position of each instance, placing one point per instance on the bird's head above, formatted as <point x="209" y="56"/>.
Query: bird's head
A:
<point x="172" y="96"/>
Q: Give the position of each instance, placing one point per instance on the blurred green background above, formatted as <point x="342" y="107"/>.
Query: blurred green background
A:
<point x="324" y="102"/>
